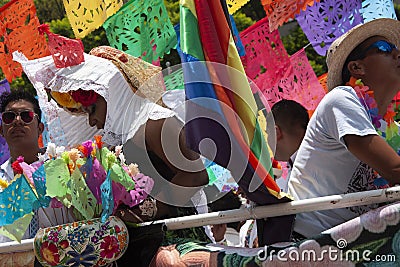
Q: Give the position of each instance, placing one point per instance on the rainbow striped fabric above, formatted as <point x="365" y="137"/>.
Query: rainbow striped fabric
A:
<point x="221" y="112"/>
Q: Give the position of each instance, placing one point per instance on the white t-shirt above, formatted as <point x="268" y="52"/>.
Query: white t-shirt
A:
<point x="324" y="166"/>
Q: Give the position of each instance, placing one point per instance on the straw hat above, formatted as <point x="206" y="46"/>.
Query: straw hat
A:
<point x="345" y="44"/>
<point x="144" y="78"/>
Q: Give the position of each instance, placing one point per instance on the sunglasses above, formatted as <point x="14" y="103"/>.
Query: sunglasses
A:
<point x="382" y="46"/>
<point x="9" y="117"/>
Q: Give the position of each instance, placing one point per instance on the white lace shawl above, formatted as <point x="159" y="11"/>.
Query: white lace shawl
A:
<point x="126" y="112"/>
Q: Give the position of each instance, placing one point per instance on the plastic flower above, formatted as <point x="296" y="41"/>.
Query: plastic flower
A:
<point x="59" y="150"/>
<point x="49" y="253"/>
<point x="51" y="150"/>
<point x="109" y="247"/>
<point x="133" y="169"/>
<point x="111" y="159"/>
<point x="85" y="258"/>
<point x="17" y="167"/>
<point x="42" y="157"/>
<point x="3" y="184"/>
<point x="98" y="141"/>
<point x="85" y="97"/>
<point x="65" y="100"/>
<point x="86" y="148"/>
<point x="121" y="157"/>
<point x="74" y="155"/>
<point x="118" y="150"/>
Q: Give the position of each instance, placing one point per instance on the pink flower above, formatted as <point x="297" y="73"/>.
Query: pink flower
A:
<point x="88" y="148"/>
<point x="85" y="97"/>
<point x="109" y="247"/>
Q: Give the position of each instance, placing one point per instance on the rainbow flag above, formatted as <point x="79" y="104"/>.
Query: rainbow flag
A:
<point x="221" y="112"/>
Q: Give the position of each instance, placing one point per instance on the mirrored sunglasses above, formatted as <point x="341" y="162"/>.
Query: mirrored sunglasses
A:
<point x="9" y="117"/>
<point x="383" y="46"/>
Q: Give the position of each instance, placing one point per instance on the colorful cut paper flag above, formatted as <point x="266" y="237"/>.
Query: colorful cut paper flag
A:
<point x="81" y="197"/>
<point x="107" y="199"/>
<point x="86" y="16"/>
<point x="266" y="59"/>
<point x="65" y="52"/>
<point x="16" y="201"/>
<point x="281" y="11"/>
<point x="18" y="32"/>
<point x="322" y="80"/>
<point x="57" y="179"/>
<point x="221" y="107"/>
<point x="299" y="83"/>
<point x="39" y="179"/>
<point x="235" y="5"/>
<point x="325" y="21"/>
<point x="17" y="230"/>
<point x="373" y="9"/>
<point x="142" y="29"/>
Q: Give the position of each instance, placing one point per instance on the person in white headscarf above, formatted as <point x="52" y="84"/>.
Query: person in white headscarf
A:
<point x="111" y="95"/>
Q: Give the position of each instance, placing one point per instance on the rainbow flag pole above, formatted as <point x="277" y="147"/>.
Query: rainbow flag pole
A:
<point x="221" y="107"/>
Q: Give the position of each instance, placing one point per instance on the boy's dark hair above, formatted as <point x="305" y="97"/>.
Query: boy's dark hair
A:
<point x="289" y="113"/>
<point x="228" y="202"/>
<point x="19" y="94"/>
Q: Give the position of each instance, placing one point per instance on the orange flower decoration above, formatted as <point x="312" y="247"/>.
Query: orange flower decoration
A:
<point x="99" y="143"/>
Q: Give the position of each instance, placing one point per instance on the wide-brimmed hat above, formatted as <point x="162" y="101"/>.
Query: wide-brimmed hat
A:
<point x="345" y="44"/>
<point x="145" y="79"/>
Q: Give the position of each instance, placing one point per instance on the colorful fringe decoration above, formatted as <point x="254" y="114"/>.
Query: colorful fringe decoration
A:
<point x="86" y="16"/>
<point x="281" y="11"/>
<point x="18" y="32"/>
<point x="142" y="29"/>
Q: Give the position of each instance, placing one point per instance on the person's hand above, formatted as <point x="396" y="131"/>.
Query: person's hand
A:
<point x="127" y="215"/>
<point x="218" y="231"/>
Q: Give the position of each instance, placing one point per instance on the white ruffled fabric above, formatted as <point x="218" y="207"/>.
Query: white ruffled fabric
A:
<point x="126" y="111"/>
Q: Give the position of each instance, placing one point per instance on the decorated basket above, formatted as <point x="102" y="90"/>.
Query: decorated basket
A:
<point x="83" y="243"/>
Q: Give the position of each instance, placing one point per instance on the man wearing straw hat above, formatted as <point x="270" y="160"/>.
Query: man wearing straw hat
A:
<point x="352" y="141"/>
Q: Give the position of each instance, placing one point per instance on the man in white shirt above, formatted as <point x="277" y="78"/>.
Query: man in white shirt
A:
<point x="344" y="149"/>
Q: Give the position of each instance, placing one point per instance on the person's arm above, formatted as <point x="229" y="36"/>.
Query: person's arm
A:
<point x="374" y="151"/>
<point x="167" y="140"/>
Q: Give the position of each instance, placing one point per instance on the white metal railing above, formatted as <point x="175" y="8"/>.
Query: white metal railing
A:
<point x="297" y="206"/>
<point x="14" y="246"/>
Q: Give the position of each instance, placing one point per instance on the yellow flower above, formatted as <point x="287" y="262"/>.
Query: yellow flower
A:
<point x="133" y="169"/>
<point x="3" y="184"/>
<point x="65" y="100"/>
<point x="74" y="154"/>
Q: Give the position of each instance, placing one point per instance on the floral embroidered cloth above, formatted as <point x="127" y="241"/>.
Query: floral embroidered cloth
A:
<point x="84" y="243"/>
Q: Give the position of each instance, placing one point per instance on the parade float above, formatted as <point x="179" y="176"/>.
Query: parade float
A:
<point x="278" y="73"/>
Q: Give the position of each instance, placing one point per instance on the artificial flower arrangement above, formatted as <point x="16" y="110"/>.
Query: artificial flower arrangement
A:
<point x="91" y="182"/>
<point x="74" y="100"/>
